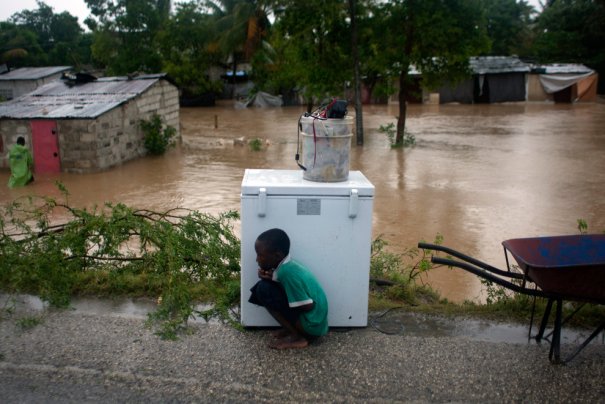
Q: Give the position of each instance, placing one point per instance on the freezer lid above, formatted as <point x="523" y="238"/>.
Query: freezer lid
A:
<point x="291" y="182"/>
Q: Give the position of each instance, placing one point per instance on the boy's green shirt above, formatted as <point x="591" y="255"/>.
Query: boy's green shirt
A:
<point x="303" y="288"/>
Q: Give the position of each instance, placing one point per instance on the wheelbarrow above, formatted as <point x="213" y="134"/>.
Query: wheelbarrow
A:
<point x="557" y="268"/>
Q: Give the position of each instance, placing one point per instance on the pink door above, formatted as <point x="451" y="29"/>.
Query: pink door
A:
<point x="45" y="141"/>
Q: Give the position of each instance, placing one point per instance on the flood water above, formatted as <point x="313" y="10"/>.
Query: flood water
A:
<point x="478" y="174"/>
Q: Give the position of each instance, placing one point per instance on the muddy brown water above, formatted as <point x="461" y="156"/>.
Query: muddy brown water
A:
<point x="478" y="174"/>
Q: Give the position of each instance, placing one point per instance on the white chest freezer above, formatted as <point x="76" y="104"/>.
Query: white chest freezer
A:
<point x="330" y="229"/>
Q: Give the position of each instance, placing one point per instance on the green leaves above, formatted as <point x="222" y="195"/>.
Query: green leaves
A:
<point x="40" y="37"/>
<point x="180" y="255"/>
<point x="157" y="140"/>
<point x="572" y="31"/>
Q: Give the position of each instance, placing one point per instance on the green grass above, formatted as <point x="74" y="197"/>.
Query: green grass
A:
<point x="29" y="322"/>
<point x="256" y="144"/>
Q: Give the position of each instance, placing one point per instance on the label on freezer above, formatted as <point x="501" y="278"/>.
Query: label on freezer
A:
<point x="308" y="206"/>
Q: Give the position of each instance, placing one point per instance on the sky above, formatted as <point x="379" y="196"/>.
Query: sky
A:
<point x="75" y="7"/>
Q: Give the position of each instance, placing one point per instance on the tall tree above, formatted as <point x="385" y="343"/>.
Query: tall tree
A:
<point x="241" y="27"/>
<point x="19" y="46"/>
<point x="573" y="31"/>
<point x="125" y="31"/>
<point x="312" y="43"/>
<point x="59" y="38"/>
<point x="185" y="45"/>
<point x="435" y="36"/>
<point x="353" y="11"/>
<point x="509" y="24"/>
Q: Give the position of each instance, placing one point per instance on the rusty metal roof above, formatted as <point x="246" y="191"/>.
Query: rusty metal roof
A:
<point x="60" y="100"/>
<point x="32" y="73"/>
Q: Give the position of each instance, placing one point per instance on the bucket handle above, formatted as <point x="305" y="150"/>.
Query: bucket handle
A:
<point x="299" y="129"/>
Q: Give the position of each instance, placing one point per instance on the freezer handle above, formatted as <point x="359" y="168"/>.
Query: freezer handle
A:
<point x="262" y="202"/>
<point x="354" y="203"/>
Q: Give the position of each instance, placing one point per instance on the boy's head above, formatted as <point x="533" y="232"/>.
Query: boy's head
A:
<point x="272" y="246"/>
<point x="21" y="140"/>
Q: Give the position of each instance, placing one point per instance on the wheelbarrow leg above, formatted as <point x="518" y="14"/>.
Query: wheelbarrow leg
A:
<point x="592" y="336"/>
<point x="555" y="346"/>
<point x="544" y="320"/>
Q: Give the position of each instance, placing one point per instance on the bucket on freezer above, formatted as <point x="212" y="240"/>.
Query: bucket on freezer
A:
<point x="326" y="153"/>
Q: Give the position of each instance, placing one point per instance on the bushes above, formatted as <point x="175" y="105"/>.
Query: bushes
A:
<point x="157" y="140"/>
<point x="183" y="256"/>
<point x="396" y="276"/>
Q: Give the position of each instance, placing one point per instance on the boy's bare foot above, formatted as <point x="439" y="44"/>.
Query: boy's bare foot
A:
<point x="290" y="342"/>
<point x="281" y="333"/>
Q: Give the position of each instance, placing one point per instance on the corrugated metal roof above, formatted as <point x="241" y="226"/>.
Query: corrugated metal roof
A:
<point x="32" y="73"/>
<point x="498" y="64"/>
<point x="58" y="100"/>
<point x="561" y="68"/>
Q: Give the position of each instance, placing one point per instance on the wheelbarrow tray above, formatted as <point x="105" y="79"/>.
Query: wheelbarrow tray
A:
<point x="569" y="266"/>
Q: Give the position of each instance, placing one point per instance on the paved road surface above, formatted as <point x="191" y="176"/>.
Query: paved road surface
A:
<point x="75" y="357"/>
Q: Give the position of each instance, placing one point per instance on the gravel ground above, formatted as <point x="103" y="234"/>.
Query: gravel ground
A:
<point x="74" y="357"/>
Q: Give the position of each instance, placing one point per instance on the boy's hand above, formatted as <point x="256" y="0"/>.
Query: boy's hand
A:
<point x="268" y="275"/>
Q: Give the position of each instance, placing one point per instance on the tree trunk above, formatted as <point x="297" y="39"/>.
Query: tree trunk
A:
<point x="309" y="104"/>
<point x="402" y="105"/>
<point x="356" y="78"/>
<point x="370" y="84"/>
<point x="234" y="71"/>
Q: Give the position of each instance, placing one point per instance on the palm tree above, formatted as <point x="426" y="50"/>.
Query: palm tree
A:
<point x="241" y="26"/>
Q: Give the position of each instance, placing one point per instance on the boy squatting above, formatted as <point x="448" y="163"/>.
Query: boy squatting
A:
<point x="289" y="292"/>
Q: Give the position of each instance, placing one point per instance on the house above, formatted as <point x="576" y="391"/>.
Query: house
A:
<point x="562" y="83"/>
<point x="86" y="124"/>
<point x="494" y="79"/>
<point x="15" y="83"/>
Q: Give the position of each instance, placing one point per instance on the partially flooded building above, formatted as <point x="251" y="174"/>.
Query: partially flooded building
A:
<point x="87" y="124"/>
<point x="15" y="83"/>
<point x="494" y="79"/>
<point x="562" y="83"/>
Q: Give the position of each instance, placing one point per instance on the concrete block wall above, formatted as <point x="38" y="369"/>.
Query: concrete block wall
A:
<point x="116" y="136"/>
<point x="162" y="99"/>
<point x="94" y="145"/>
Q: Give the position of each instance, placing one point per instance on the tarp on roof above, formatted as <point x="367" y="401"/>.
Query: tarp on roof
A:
<point x="562" y="82"/>
<point x="557" y="82"/>
<point x="261" y="100"/>
<point x="59" y="100"/>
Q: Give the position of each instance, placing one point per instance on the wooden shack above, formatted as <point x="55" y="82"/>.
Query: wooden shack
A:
<point x="494" y="79"/>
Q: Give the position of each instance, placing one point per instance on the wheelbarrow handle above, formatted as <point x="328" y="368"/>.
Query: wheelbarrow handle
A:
<point x="483" y="273"/>
<point x="474" y="261"/>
